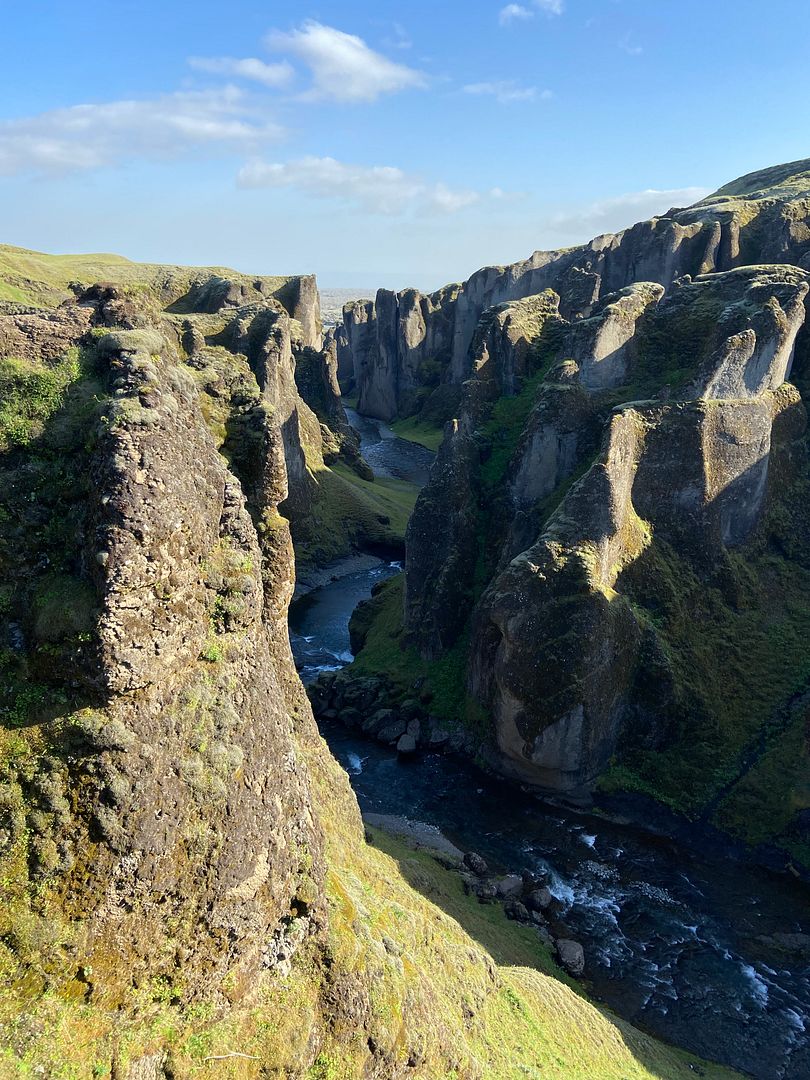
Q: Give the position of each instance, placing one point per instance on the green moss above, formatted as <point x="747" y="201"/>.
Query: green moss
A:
<point x="386" y="653"/>
<point x="736" y="647"/>
<point x="30" y="393"/>
<point x="419" y="431"/>
<point x="348" y="513"/>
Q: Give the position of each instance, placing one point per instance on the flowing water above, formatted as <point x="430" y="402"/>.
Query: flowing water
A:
<point x="673" y="938"/>
<point x="387" y="454"/>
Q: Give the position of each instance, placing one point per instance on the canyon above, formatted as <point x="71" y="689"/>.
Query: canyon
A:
<point x="605" y="601"/>
<point x="611" y="552"/>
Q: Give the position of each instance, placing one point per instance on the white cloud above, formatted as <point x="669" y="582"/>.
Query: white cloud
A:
<point x="247" y="68"/>
<point x="514" y="13"/>
<point x="506" y="91"/>
<point x="621" y="211"/>
<point x="551" y="7"/>
<point x="92" y="136"/>
<point x="343" y="66"/>
<point x="378" y="189"/>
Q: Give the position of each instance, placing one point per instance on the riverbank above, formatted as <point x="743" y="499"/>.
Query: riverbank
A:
<point x="685" y="943"/>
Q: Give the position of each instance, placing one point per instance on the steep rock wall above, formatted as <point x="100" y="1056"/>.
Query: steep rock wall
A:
<point x="555" y="556"/>
<point x="405" y="343"/>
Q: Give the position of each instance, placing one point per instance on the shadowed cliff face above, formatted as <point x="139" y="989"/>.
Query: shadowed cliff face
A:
<point x="160" y="814"/>
<point x="186" y="878"/>
<point x="405" y="343"/>
<point x="623" y="482"/>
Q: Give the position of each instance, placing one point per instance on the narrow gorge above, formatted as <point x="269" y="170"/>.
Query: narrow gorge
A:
<point x="523" y="787"/>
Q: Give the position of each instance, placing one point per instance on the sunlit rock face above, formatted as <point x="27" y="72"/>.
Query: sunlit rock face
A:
<point x="618" y="458"/>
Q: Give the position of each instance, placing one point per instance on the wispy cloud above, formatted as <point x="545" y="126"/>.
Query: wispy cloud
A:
<point x="93" y="136"/>
<point x="273" y="75"/>
<point x="343" y="67"/>
<point x="400" y="39"/>
<point x="507" y="91"/>
<point x="620" y="211"/>
<point x="378" y="189"/>
<point x="514" y="13"/>
<point x="626" y="44"/>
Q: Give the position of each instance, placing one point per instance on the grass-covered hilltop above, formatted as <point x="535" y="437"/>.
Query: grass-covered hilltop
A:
<point x="187" y="887"/>
<point x="608" y="574"/>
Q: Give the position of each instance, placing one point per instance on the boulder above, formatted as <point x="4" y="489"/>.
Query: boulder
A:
<point x="486" y="892"/>
<point x="509" y="887"/>
<point x="391" y="731"/>
<point x="517" y="911"/>
<point x="572" y="956"/>
<point x="436" y="738"/>
<point x="374" y="723"/>
<point x="539" y="899"/>
<point x="406" y="745"/>
<point x="476" y="863"/>
<point x="350" y="718"/>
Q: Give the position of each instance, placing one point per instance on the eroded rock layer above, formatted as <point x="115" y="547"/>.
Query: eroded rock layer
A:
<point x="615" y="535"/>
<point x="403" y="345"/>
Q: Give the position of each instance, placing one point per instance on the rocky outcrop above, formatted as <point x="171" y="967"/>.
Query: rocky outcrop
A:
<point x="151" y="675"/>
<point x="316" y="378"/>
<point x="410" y="342"/>
<point x="602" y="344"/>
<point x="189" y="670"/>
<point x="399" y="344"/>
<point x="695" y="471"/>
<point x="613" y="466"/>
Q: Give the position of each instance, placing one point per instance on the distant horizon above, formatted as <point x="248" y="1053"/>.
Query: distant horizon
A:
<point x="382" y="148"/>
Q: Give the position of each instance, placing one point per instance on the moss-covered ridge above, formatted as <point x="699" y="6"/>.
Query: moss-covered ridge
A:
<point x="627" y="615"/>
<point x="187" y="888"/>
<point x="43" y="280"/>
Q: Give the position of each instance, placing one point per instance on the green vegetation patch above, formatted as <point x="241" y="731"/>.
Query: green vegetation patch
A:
<point x="30" y="394"/>
<point x="349" y="513"/>
<point x="386" y="653"/>
<point x="736" y="647"/>
<point x="420" y="431"/>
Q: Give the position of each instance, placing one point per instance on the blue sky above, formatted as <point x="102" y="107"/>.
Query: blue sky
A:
<point x="383" y="144"/>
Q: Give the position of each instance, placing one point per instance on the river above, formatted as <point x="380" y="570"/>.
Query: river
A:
<point x="673" y="938"/>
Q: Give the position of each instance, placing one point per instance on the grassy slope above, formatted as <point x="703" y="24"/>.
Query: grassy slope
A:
<point x="384" y="653"/>
<point x="453" y="984"/>
<point x="419" y="431"/>
<point x="349" y="513"/>
<point x="32" y="277"/>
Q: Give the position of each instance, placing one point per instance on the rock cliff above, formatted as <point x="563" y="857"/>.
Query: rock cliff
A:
<point x="188" y="889"/>
<point x="405" y="344"/>
<point x="611" y="555"/>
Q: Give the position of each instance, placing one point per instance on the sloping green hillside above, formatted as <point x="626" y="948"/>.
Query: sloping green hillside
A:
<point x="32" y="277"/>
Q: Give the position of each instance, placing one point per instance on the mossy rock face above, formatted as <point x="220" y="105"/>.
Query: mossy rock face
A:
<point x="134" y="610"/>
<point x="402" y="344"/>
<point x="543" y="553"/>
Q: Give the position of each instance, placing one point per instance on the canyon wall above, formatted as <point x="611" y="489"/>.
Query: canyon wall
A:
<point x="612" y="550"/>
<point x="403" y="345"/>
